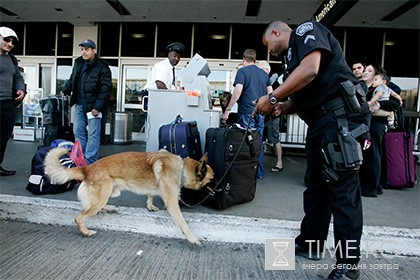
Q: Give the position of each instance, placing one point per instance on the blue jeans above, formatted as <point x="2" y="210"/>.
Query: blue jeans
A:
<point x="89" y="138"/>
<point x="258" y="123"/>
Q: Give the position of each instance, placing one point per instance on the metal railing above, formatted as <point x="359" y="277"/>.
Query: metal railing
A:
<point x="293" y="130"/>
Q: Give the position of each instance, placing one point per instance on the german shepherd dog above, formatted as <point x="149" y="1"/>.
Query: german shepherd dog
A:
<point x="149" y="173"/>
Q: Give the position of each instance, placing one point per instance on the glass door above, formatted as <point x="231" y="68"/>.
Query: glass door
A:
<point x="37" y="77"/>
<point x="130" y="100"/>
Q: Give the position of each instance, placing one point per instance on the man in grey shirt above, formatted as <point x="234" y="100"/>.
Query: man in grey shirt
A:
<point x="12" y="89"/>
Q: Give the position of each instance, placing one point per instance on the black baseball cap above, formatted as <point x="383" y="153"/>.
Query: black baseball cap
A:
<point x="176" y="47"/>
<point x="88" y="44"/>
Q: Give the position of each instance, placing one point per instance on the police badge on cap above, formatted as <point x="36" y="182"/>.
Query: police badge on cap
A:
<point x="176" y="47"/>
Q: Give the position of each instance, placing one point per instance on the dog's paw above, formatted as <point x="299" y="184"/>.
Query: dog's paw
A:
<point x="110" y="209"/>
<point x="152" y="208"/>
<point x="194" y="240"/>
<point x="89" y="233"/>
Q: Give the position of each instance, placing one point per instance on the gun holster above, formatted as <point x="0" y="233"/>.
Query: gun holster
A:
<point x="354" y="95"/>
<point x="346" y="154"/>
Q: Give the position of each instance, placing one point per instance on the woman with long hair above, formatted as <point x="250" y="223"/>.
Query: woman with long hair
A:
<point x="370" y="171"/>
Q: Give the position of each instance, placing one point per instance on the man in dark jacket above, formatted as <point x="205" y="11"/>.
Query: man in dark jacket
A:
<point x="90" y="87"/>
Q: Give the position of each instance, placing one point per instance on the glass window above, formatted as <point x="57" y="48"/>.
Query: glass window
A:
<point x="115" y="73"/>
<point x="138" y="39"/>
<point x="135" y="80"/>
<point x="338" y="33"/>
<point x="45" y="78"/>
<point x="220" y="81"/>
<point x="364" y="44"/>
<point x="109" y="36"/>
<point x="212" y="40"/>
<point x="173" y="32"/>
<point x="402" y="53"/>
<point x="112" y="103"/>
<point x="248" y="36"/>
<point x="65" y="39"/>
<point x="40" y="38"/>
<point x="18" y="28"/>
<point x="64" y="68"/>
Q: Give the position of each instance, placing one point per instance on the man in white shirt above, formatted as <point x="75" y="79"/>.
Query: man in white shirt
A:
<point x="162" y="75"/>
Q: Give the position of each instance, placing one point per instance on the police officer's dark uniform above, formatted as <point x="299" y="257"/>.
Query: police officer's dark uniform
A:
<point x="322" y="106"/>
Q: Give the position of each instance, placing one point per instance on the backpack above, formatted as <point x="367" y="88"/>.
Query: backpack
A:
<point x="39" y="183"/>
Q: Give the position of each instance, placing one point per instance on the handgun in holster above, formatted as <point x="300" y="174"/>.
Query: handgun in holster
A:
<point x="347" y="153"/>
<point x="354" y="96"/>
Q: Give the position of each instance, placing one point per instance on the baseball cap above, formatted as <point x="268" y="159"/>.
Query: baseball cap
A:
<point x="7" y="32"/>
<point x="88" y="44"/>
<point x="176" y="47"/>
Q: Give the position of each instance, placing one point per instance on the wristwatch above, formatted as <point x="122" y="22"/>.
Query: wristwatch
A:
<point x="273" y="99"/>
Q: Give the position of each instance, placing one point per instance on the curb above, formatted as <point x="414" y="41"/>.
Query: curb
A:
<point x="208" y="228"/>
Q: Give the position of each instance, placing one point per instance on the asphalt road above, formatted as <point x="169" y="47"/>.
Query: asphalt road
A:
<point x="32" y="251"/>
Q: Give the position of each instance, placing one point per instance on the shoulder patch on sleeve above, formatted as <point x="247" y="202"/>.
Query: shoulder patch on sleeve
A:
<point x="304" y="27"/>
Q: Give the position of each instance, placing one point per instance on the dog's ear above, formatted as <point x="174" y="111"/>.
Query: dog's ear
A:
<point x="201" y="169"/>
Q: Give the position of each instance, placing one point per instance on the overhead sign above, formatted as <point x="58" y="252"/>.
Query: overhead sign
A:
<point x="332" y="11"/>
<point x="324" y="9"/>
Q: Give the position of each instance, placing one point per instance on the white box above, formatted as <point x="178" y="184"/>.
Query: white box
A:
<point x="21" y="134"/>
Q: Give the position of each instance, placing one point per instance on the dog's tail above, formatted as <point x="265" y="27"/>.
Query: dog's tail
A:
<point x="59" y="173"/>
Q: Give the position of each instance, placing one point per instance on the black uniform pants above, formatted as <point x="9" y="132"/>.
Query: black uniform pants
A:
<point x="341" y="199"/>
<point x="370" y="171"/>
<point x="7" y="120"/>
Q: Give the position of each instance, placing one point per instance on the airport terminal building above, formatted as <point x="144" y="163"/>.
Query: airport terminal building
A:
<point x="131" y="37"/>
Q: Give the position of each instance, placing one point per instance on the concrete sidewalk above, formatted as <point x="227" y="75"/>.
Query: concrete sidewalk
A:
<point x="391" y="221"/>
<point x="278" y="195"/>
<point x="39" y="252"/>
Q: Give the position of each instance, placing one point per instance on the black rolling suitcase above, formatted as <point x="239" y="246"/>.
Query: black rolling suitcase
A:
<point x="239" y="184"/>
<point x="181" y="138"/>
<point x="56" y="119"/>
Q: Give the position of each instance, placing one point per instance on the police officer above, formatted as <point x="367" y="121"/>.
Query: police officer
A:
<point x="316" y="68"/>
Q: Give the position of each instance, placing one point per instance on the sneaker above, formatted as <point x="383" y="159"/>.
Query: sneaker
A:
<point x="344" y="274"/>
<point x="299" y="251"/>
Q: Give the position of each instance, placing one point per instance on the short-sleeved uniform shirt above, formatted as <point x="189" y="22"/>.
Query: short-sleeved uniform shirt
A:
<point x="161" y="71"/>
<point x="306" y="38"/>
<point x="255" y="82"/>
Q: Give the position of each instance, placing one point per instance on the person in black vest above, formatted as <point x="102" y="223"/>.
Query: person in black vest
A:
<point x="317" y="68"/>
<point x="12" y="89"/>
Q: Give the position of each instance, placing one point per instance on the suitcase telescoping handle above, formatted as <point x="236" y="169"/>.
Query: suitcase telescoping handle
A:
<point x="250" y="142"/>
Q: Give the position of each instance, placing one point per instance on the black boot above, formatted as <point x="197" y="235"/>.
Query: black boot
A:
<point x="344" y="274"/>
<point x="4" y="172"/>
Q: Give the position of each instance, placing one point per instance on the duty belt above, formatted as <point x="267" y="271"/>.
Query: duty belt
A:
<point x="329" y="107"/>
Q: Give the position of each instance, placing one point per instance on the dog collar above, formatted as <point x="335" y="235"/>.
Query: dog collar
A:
<point x="180" y="175"/>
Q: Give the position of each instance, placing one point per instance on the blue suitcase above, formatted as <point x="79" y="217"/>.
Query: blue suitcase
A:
<point x="181" y="138"/>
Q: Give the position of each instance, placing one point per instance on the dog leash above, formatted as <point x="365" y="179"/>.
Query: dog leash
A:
<point x="212" y="191"/>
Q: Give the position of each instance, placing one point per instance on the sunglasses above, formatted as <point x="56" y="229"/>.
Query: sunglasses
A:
<point x="9" y="40"/>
